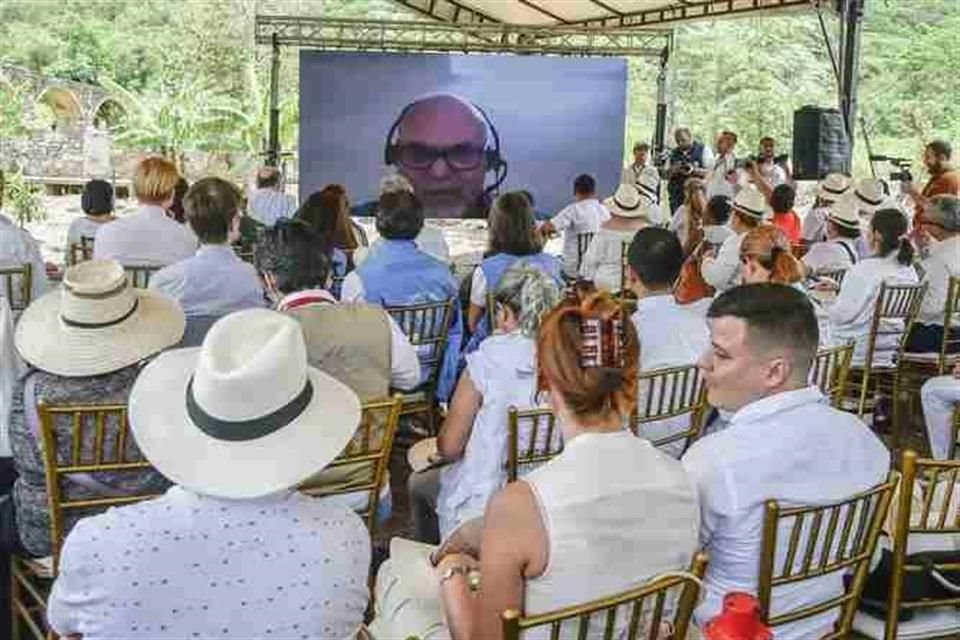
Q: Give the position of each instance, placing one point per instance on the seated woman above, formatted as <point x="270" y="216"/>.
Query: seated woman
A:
<point x="891" y="263"/>
<point x="327" y="214"/>
<point x="605" y="515"/>
<point x="498" y="375"/>
<point x="97" y="205"/>
<point x="85" y="343"/>
<point x="839" y="250"/>
<point x="766" y="256"/>
<point x="689" y="215"/>
<point x="512" y="238"/>
<point x="602" y="264"/>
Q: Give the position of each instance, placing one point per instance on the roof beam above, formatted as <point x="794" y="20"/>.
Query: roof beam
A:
<point x="449" y="11"/>
<point x="696" y="10"/>
<point x="606" y="7"/>
<point x="539" y="9"/>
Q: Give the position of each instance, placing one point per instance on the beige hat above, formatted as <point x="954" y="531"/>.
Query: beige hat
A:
<point x="242" y="416"/>
<point x="833" y="186"/>
<point x="869" y="194"/>
<point x="648" y="184"/>
<point x="844" y="212"/>
<point x="751" y="202"/>
<point x="627" y="203"/>
<point x="96" y="323"/>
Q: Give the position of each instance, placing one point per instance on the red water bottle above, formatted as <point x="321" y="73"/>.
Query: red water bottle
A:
<point x="739" y="620"/>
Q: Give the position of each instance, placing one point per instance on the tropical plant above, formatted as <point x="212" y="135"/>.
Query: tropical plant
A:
<point x="23" y="198"/>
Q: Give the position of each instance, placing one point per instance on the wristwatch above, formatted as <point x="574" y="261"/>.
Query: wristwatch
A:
<point x="453" y="571"/>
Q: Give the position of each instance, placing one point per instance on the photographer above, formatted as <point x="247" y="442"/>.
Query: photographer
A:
<point x="769" y="170"/>
<point x="689" y="159"/>
<point x="944" y="178"/>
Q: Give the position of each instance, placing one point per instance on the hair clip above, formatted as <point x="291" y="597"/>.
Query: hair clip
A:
<point x="601" y="343"/>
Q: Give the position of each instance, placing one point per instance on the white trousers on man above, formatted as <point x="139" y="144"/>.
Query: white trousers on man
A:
<point x="940" y="397"/>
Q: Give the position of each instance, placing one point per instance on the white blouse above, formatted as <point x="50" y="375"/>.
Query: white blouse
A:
<point x="602" y="261"/>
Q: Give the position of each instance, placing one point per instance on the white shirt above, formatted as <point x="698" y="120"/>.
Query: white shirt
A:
<point x="717" y="184"/>
<point x="148" y="237"/>
<point x="815" y="224"/>
<point x="582" y="216"/>
<point x="191" y="566"/>
<point x="775" y="175"/>
<point x="678" y="224"/>
<point x="852" y="312"/>
<point x="602" y="263"/>
<point x="503" y="372"/>
<point x="723" y="272"/>
<point x="214" y="282"/>
<point x="83" y="227"/>
<point x="793" y="448"/>
<point x="831" y="254"/>
<point x="11" y="369"/>
<point x="942" y="264"/>
<point x="269" y="205"/>
<point x="18" y="247"/>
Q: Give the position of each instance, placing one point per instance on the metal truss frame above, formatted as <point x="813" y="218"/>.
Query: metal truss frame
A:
<point x="482" y="37"/>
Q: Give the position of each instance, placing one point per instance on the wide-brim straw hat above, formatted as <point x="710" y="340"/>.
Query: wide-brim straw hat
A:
<point x="870" y="194"/>
<point x="95" y="323"/>
<point x="627" y="203"/>
<point x="243" y="415"/>
<point x="844" y="212"/>
<point x="833" y="186"/>
<point x="751" y="202"/>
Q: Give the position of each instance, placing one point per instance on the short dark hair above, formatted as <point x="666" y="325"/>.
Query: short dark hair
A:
<point x="941" y="148"/>
<point x="776" y="315"/>
<point x="512" y="228"/>
<point x="770" y="138"/>
<point x="268" y="177"/>
<point x="97" y="198"/>
<point x="211" y="204"/>
<point x="179" y="191"/>
<point x="718" y="210"/>
<point x="292" y="253"/>
<point x="656" y="256"/>
<point x="783" y="198"/>
<point x="641" y="145"/>
<point x="584" y="184"/>
<point x="399" y="216"/>
<point x="729" y="134"/>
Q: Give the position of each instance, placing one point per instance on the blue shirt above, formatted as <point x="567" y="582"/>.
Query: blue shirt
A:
<point x="212" y="282"/>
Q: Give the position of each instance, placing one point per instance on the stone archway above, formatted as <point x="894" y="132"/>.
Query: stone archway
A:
<point x="64" y="106"/>
<point x="109" y="114"/>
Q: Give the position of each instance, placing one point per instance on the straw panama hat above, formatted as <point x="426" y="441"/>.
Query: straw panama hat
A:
<point x="751" y="202"/>
<point x="869" y="194"/>
<point x="627" y="203"/>
<point x="242" y="416"/>
<point x="844" y="212"/>
<point x="96" y="323"/>
<point x="833" y="186"/>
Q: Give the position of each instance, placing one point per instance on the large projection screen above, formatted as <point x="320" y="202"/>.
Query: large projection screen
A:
<point x="555" y="119"/>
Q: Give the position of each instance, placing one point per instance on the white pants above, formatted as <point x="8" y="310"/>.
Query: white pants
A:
<point x="940" y="397"/>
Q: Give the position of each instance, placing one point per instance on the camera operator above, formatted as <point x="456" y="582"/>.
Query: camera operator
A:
<point x="769" y="170"/>
<point x="944" y="178"/>
<point x="689" y="159"/>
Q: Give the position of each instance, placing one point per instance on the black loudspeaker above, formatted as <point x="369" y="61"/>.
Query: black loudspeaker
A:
<point x="820" y="143"/>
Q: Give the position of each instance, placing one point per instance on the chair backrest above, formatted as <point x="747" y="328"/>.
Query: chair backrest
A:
<point x="669" y="393"/>
<point x="895" y="302"/>
<point x="81" y="251"/>
<point x="427" y="326"/>
<point x="955" y="434"/>
<point x="837" y="275"/>
<point x="583" y="243"/>
<point x="830" y="370"/>
<point x="491" y="311"/>
<point x="951" y="334"/>
<point x="106" y="452"/>
<point x="624" y="266"/>
<point x="542" y="436"/>
<point x="937" y="514"/>
<point x="368" y="454"/>
<point x="643" y="609"/>
<point x="17" y="285"/>
<point x="813" y="549"/>
<point x="139" y="275"/>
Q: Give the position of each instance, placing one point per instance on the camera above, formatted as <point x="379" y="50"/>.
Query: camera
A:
<point x="902" y="164"/>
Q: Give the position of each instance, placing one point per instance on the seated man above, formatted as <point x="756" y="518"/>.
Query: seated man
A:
<point x="214" y="281"/>
<point x="230" y="550"/>
<point x="784" y="442"/>
<point x="584" y="215"/>
<point x="150" y="236"/>
<point x="670" y="334"/>
<point x="940" y="397"/>
<point x="940" y="224"/>
<point x="269" y="202"/>
<point x="839" y="250"/>
<point x="397" y="273"/>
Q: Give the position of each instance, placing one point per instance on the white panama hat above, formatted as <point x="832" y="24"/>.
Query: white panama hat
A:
<point x="242" y="416"/>
<point x="95" y="323"/>
<point x="833" y="186"/>
<point x="844" y="212"/>
<point x="751" y="202"/>
<point x="627" y="203"/>
<point x="870" y="194"/>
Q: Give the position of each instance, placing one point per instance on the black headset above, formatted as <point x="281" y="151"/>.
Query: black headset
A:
<point x="491" y="157"/>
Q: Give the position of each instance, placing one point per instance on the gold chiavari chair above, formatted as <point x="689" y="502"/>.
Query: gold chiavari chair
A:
<point x="814" y="550"/>
<point x="542" y="439"/>
<point x="624" y="268"/>
<point x="666" y="394"/>
<point x="138" y="276"/>
<point x="362" y="466"/>
<point x="955" y="435"/>
<point x="927" y="506"/>
<point x="896" y="309"/>
<point x="81" y="251"/>
<point x="427" y="326"/>
<point x="917" y="367"/>
<point x="831" y="368"/>
<point x="111" y="449"/>
<point x="643" y="609"/>
<point x="18" y="285"/>
<point x="583" y="243"/>
<point x="837" y="275"/>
